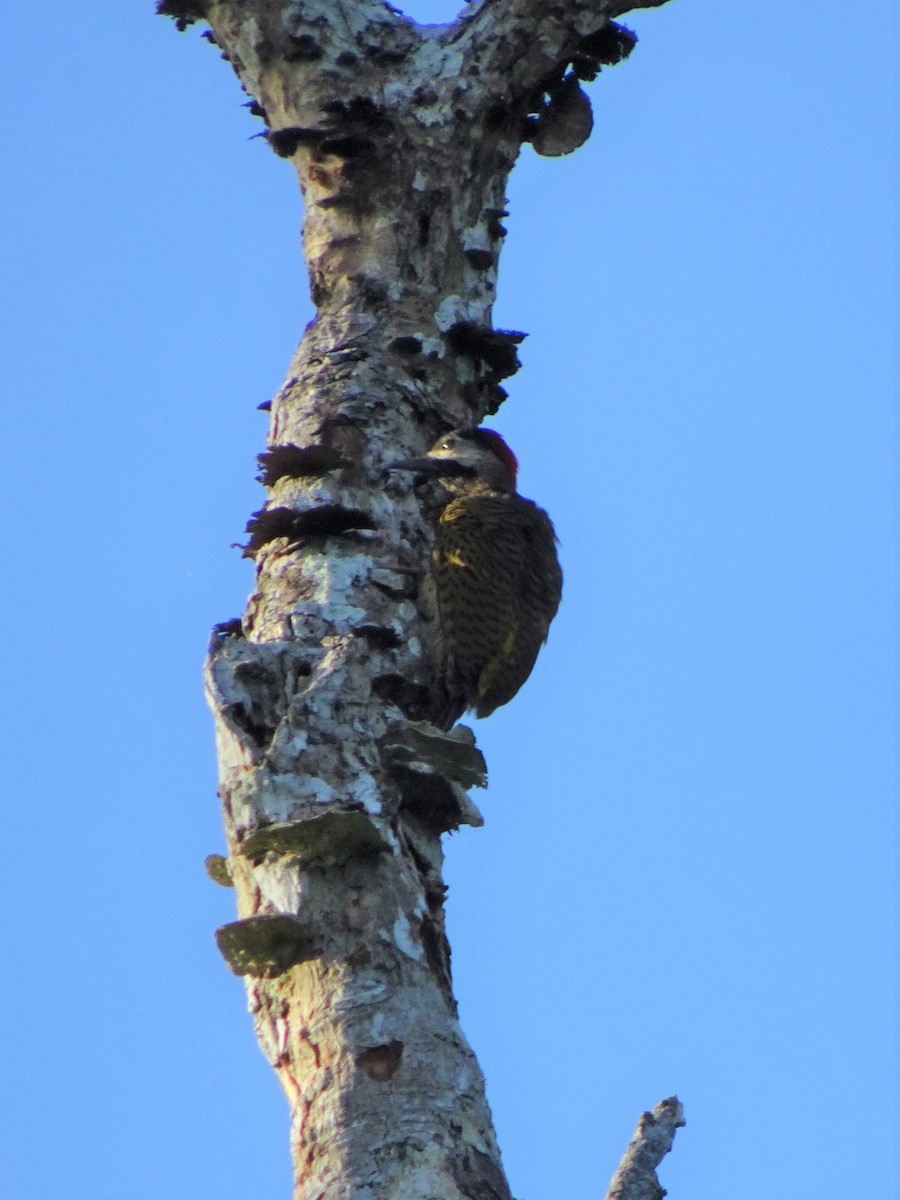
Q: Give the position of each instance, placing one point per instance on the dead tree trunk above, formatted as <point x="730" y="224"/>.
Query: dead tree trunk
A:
<point x="335" y="794"/>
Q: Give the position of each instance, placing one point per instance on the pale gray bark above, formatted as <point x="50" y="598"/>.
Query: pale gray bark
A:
<point x="334" y="795"/>
<point x="636" y="1178"/>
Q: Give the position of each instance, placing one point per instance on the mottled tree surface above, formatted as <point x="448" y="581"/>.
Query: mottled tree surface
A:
<point x="335" y="792"/>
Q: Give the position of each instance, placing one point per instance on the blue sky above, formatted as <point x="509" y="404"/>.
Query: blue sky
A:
<point x="687" y="878"/>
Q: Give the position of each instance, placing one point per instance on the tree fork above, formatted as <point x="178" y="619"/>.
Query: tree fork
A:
<point x="335" y="793"/>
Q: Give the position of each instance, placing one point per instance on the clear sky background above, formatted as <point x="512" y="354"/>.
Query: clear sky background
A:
<point x="686" y="882"/>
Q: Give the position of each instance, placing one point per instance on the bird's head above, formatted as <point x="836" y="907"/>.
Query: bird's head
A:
<point x="467" y="456"/>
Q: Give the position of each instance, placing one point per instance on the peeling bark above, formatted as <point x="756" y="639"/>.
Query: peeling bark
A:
<point x="335" y="794"/>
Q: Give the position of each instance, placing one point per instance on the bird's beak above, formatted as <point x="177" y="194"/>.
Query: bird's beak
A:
<point x="424" y="465"/>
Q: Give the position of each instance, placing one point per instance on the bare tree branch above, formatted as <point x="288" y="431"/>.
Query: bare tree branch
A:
<point x="635" y="1178"/>
<point x="618" y="9"/>
<point x="524" y="41"/>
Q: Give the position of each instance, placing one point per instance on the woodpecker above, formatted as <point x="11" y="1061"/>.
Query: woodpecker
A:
<point x="496" y="576"/>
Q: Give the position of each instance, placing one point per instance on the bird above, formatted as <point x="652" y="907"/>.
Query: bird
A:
<point x="494" y="573"/>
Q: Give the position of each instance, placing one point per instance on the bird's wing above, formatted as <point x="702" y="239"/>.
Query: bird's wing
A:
<point x="498" y="585"/>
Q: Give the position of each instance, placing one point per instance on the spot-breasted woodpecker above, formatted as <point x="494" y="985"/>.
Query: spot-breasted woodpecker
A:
<point x="496" y="576"/>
